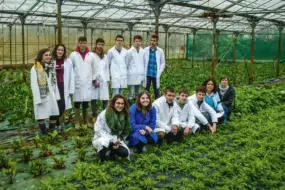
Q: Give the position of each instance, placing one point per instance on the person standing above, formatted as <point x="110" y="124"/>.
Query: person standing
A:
<point x="154" y="61"/>
<point x="118" y="68"/>
<point x="85" y="72"/>
<point x="135" y="66"/>
<point x="45" y="91"/>
<point x="100" y="90"/>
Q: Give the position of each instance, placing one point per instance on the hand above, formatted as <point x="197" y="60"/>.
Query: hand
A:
<point x="187" y="131"/>
<point x="96" y="84"/>
<point x="142" y="132"/>
<point x="116" y="146"/>
<point x="117" y="142"/>
<point x="149" y="129"/>
<point x="213" y="128"/>
<point x="174" y="129"/>
<point x="221" y="111"/>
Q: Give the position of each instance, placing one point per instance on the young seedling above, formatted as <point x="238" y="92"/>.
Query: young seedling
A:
<point x="17" y="144"/>
<point x="79" y="142"/>
<point x="37" y="140"/>
<point x="81" y="154"/>
<point x="52" y="136"/>
<point x="46" y="150"/>
<point x="82" y="130"/>
<point x="38" y="167"/>
<point x="11" y="171"/>
<point x="27" y="153"/>
<point x="66" y="133"/>
<point x="59" y="162"/>
<point x="62" y="150"/>
<point x="4" y="160"/>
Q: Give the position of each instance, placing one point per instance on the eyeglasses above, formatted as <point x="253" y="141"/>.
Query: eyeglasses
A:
<point x="119" y="40"/>
<point x="119" y="103"/>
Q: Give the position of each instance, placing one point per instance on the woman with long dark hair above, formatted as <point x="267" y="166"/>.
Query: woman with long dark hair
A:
<point x="111" y="129"/>
<point x="45" y="90"/>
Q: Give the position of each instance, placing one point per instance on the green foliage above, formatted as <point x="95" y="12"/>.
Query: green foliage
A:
<point x="66" y="134"/>
<point x="82" y="130"/>
<point x="52" y="136"/>
<point x="37" y="140"/>
<point x="46" y="150"/>
<point x="17" y="144"/>
<point x="79" y="142"/>
<point x="59" y="162"/>
<point x="4" y="160"/>
<point x="11" y="171"/>
<point x="81" y="154"/>
<point x="38" y="167"/>
<point x="27" y="153"/>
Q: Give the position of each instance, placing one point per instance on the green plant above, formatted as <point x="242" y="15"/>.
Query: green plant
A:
<point x="59" y="162"/>
<point x="27" y="153"/>
<point x="46" y="150"/>
<point x="66" y="133"/>
<point x="81" y="154"/>
<point x="17" y="144"/>
<point x="52" y="136"/>
<point x="37" y="140"/>
<point x="61" y="150"/>
<point x="82" y="130"/>
<point x="11" y="171"/>
<point x="38" y="167"/>
<point x="79" y="142"/>
<point x="4" y="160"/>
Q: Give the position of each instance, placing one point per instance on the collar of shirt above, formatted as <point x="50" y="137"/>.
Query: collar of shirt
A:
<point x="169" y="104"/>
<point x="152" y="50"/>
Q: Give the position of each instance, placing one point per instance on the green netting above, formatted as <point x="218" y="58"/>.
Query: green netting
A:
<point x="266" y="46"/>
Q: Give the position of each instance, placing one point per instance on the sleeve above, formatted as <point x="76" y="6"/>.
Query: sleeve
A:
<point x="109" y="58"/>
<point x="229" y="101"/>
<point x="191" y="117"/>
<point x="100" y="129"/>
<point x="175" y="116"/>
<point x="95" y="69"/>
<point x="162" y="62"/>
<point x="152" y="121"/>
<point x="35" y="87"/>
<point x="107" y="69"/>
<point x="126" y="131"/>
<point x="199" y="115"/>
<point x="135" y="127"/>
<point x="211" y="111"/>
<point x="159" y="123"/>
<point x="71" y="78"/>
<point x="219" y="104"/>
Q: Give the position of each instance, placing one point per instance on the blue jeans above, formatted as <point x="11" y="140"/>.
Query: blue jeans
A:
<point x="117" y="91"/>
<point x="133" y="91"/>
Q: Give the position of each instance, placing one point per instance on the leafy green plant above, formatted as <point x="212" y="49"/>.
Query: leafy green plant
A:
<point x="4" y="160"/>
<point x="66" y="133"/>
<point x="37" y="140"/>
<point x="11" y="171"/>
<point x="82" y="130"/>
<point x="59" y="162"/>
<point x="17" y="144"/>
<point x="38" y="167"/>
<point x="81" y="154"/>
<point x="62" y="150"/>
<point x="27" y="153"/>
<point x="79" y="142"/>
<point x="52" y="136"/>
<point x="46" y="150"/>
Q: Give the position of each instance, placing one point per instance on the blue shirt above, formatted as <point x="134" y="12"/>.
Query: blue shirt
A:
<point x="152" y="67"/>
<point x="209" y="100"/>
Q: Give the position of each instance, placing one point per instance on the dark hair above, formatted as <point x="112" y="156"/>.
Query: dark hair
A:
<point x="201" y="89"/>
<point x="99" y="40"/>
<point x="54" y="55"/>
<point x="214" y="82"/>
<point x="139" y="106"/>
<point x="82" y="39"/>
<point x="137" y="37"/>
<point x="40" y="54"/>
<point x="155" y="36"/>
<point x="183" y="90"/>
<point x="113" y="101"/>
<point x="119" y="36"/>
<point x="169" y="89"/>
<point x="224" y="77"/>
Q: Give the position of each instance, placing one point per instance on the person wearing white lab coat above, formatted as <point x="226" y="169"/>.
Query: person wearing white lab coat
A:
<point x="167" y="119"/>
<point x="65" y="78"/>
<point x="185" y="112"/>
<point x="45" y="91"/>
<point x="100" y="91"/>
<point x="118" y="68"/>
<point x="203" y="108"/>
<point x="85" y="71"/>
<point x="135" y="66"/>
<point x="111" y="129"/>
<point x="154" y="61"/>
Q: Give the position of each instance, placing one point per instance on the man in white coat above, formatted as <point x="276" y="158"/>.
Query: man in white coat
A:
<point x="185" y="111"/>
<point x="167" y="119"/>
<point x="118" y="68"/>
<point x="205" y="116"/>
<point x="100" y="90"/>
<point x="135" y="66"/>
<point x="85" y="71"/>
<point x="154" y="61"/>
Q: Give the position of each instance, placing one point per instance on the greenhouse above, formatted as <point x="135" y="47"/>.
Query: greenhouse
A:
<point x="178" y="47"/>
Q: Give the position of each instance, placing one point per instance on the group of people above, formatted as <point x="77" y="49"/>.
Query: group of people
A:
<point x="125" y="124"/>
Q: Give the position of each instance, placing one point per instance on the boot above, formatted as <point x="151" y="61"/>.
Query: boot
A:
<point x="77" y="117"/>
<point x="94" y="110"/>
<point x="85" y="118"/>
<point x="52" y="124"/>
<point x="43" y="128"/>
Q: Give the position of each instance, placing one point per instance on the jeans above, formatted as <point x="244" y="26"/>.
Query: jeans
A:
<point x="117" y="91"/>
<point x="133" y="91"/>
<point x="152" y="80"/>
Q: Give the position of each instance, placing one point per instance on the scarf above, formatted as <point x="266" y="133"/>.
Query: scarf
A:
<point x="200" y="103"/>
<point x="98" y="52"/>
<point x="223" y="90"/>
<point x="118" y="122"/>
<point x="42" y="79"/>
<point x="82" y="54"/>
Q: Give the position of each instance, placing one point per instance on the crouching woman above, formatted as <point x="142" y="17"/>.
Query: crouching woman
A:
<point x="111" y="129"/>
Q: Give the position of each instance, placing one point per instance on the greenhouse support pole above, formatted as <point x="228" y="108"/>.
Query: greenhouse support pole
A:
<point x="55" y="38"/>
<point x="92" y="32"/>
<point x="84" y="24"/>
<point x="130" y="27"/>
<point x="187" y="44"/>
<point x="253" y="22"/>
<point x="235" y="35"/>
<point x="22" y="18"/>
<point x="214" y="43"/>
<point x="10" y="44"/>
<point x="166" y="28"/>
<point x="168" y="51"/>
<point x="194" y="31"/>
<point x="59" y="23"/>
<point x="217" y="42"/>
<point x="280" y="29"/>
<point x="156" y="7"/>
<point x="38" y="35"/>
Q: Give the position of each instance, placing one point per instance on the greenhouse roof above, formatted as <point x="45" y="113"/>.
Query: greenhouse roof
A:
<point x="180" y="15"/>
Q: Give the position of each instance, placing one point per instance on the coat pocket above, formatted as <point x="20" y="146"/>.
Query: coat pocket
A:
<point x="78" y="82"/>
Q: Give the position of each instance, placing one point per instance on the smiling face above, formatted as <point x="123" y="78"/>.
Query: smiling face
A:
<point x="224" y="82"/>
<point x="59" y="52"/>
<point x="119" y="42"/>
<point x="182" y="98"/>
<point x="119" y="104"/>
<point x="153" y="42"/>
<point x="210" y="86"/>
<point x="144" y="100"/>
<point x="169" y="96"/>
<point x="200" y="96"/>
<point x="82" y="45"/>
<point x="100" y="46"/>
<point x="46" y="57"/>
<point x="137" y="43"/>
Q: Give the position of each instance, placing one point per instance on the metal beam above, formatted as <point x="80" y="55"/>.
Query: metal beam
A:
<point x="253" y="22"/>
<point x="59" y="23"/>
<point x="214" y="44"/>
<point x="22" y="18"/>
<point x="166" y="28"/>
<point x="280" y="27"/>
<point x="194" y="31"/>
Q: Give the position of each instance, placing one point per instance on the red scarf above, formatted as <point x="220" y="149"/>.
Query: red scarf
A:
<point x="98" y="52"/>
<point x="82" y="54"/>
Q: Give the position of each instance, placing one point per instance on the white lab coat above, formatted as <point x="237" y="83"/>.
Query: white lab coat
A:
<point x="165" y="116"/>
<point x="47" y="106"/>
<point x="103" y="136"/>
<point x="135" y="66"/>
<point x="160" y="62"/>
<point x="68" y="78"/>
<point x="102" y="92"/>
<point x="84" y="72"/>
<point x="204" y="107"/>
<point x="118" y="68"/>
